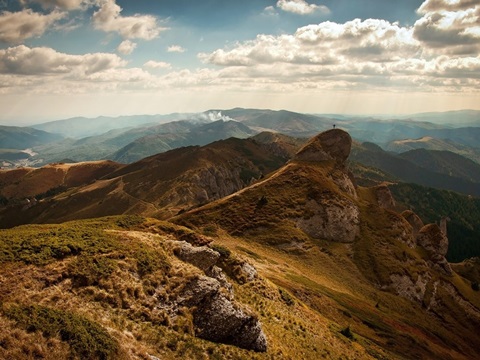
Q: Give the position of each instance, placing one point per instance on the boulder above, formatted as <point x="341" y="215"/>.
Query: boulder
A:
<point x="221" y="320"/>
<point x="217" y="318"/>
<point x="202" y="257"/>
<point x="432" y="239"/>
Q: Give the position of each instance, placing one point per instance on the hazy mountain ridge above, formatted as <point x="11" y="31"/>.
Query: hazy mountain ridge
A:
<point x="407" y="171"/>
<point x="19" y="138"/>
<point x="382" y="131"/>
<point x="80" y="127"/>
<point x="444" y="162"/>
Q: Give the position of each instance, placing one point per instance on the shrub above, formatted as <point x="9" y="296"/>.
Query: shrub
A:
<point x="89" y="270"/>
<point x="87" y="339"/>
<point x="149" y="261"/>
<point x="347" y="333"/>
<point x="286" y="297"/>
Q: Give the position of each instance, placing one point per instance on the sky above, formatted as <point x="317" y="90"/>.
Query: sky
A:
<point x="67" y="58"/>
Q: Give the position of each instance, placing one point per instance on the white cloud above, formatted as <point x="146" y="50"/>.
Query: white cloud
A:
<point x="301" y="7"/>
<point x="18" y="26"/>
<point x="62" y="4"/>
<point x="126" y="47"/>
<point x="450" y="26"/>
<point x="176" y="48"/>
<point x="42" y="61"/>
<point x="448" y="5"/>
<point x="323" y="44"/>
<point x="157" y="64"/>
<point x="370" y="54"/>
<point x="269" y="11"/>
<point x="108" y="18"/>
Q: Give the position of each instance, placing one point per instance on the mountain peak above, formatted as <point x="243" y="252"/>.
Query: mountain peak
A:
<point x="334" y="144"/>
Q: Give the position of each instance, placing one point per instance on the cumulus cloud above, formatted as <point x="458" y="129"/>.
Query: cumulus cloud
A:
<point x="356" y="54"/>
<point x="450" y="26"/>
<point x="126" y="47"/>
<point x="157" y="64"/>
<point x="45" y="71"/>
<point x="19" y="26"/>
<point x="323" y="44"/>
<point x="301" y="7"/>
<point x="22" y="60"/>
<point x="448" y="5"/>
<point x="176" y="48"/>
<point x="62" y="4"/>
<point x="109" y="19"/>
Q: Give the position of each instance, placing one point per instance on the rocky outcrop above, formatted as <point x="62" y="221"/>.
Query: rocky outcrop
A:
<point x="216" y="316"/>
<point x="331" y="215"/>
<point x="432" y="239"/>
<point x="331" y="221"/>
<point x="202" y="256"/>
<point x="414" y="220"/>
<point x="435" y="242"/>
<point x="384" y="197"/>
<point x="333" y="144"/>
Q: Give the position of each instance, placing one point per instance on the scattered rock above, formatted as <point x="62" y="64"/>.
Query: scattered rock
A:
<point x="248" y="271"/>
<point x="218" y="274"/>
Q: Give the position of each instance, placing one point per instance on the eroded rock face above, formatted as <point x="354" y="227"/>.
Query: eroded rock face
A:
<point x="432" y="239"/>
<point x="220" y="320"/>
<point x="332" y="144"/>
<point x="333" y="221"/>
<point x="216" y="316"/>
<point x="384" y="197"/>
<point x="414" y="220"/>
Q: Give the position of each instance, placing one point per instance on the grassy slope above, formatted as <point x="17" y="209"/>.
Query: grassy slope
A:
<point x="336" y="280"/>
<point x="160" y="185"/>
<point x="95" y="278"/>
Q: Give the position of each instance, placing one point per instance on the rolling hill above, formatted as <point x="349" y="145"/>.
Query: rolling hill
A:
<point x="159" y="185"/>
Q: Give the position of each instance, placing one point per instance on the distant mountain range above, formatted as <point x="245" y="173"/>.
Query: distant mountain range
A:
<point x="130" y="138"/>
<point x="425" y="167"/>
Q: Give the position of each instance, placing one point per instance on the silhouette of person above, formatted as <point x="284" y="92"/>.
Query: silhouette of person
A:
<point x="334" y="126"/>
